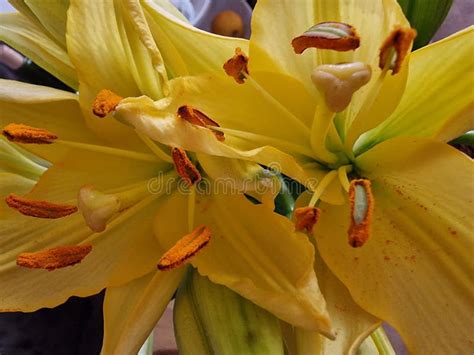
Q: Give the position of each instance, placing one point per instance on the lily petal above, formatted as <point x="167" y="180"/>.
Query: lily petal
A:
<point x="132" y="310"/>
<point x="111" y="48"/>
<point x="51" y="17"/>
<point x="351" y="323"/>
<point x="196" y="51"/>
<point x="44" y="107"/>
<point x="246" y="254"/>
<point x="442" y="67"/>
<point x="421" y="227"/>
<point x="124" y="251"/>
<point x="30" y="39"/>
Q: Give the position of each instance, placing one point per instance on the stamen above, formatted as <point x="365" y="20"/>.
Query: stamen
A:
<point x="338" y="82"/>
<point x="39" y="209"/>
<point x="185" y="167"/>
<point x="342" y="174"/>
<point x="395" y="48"/>
<point x="29" y="135"/>
<point x="105" y="102"/>
<point x="198" y="118"/>
<point x="306" y="218"/>
<point x="54" y="258"/>
<point x="325" y="181"/>
<point x="185" y="248"/>
<point x="97" y="208"/>
<point x="362" y="205"/>
<point x="327" y="35"/>
<point x="237" y="66"/>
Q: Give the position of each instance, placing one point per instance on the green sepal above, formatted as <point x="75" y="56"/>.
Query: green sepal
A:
<point x="426" y="16"/>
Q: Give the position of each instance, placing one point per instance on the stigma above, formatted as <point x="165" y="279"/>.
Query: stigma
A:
<point x="395" y="48"/>
<point x="338" y="82"/>
<point x="185" y="248"/>
<point x="105" y="102"/>
<point x="237" y="66"/>
<point x="54" y="258"/>
<point x="198" y="118"/>
<point x="39" y="208"/>
<point x="184" y="167"/>
<point x="336" y="36"/>
<point x="21" y="133"/>
<point x="362" y="205"/>
<point x="97" y="208"/>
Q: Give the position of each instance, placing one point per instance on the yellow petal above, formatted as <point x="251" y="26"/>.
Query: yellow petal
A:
<point x="351" y="323"/>
<point x="52" y="17"/>
<point x="438" y="101"/>
<point x="32" y="40"/>
<point x="126" y="250"/>
<point x="196" y="51"/>
<point x="132" y="310"/>
<point x="421" y="227"/>
<point x="254" y="252"/>
<point x="243" y="126"/>
<point x="111" y="47"/>
<point x="43" y="107"/>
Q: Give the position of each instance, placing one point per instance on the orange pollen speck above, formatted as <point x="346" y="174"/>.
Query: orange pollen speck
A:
<point x="200" y="119"/>
<point x="105" y="102"/>
<point x="54" y="258"/>
<point x="185" y="167"/>
<point x="185" y="248"/>
<point x="40" y="209"/>
<point x="336" y="36"/>
<point x="25" y="134"/>
<point x="237" y="66"/>
<point x="400" y="41"/>
<point x="306" y="218"/>
<point x="359" y="231"/>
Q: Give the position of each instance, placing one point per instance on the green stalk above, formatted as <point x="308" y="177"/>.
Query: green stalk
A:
<point x="381" y="341"/>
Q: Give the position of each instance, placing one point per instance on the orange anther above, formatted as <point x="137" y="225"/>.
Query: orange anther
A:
<point x="397" y="44"/>
<point x="306" y="218"/>
<point x="25" y="134"/>
<point x="105" y="102"/>
<point x="37" y="208"/>
<point x="54" y="258"/>
<point x="362" y="206"/>
<point x="185" y="167"/>
<point x="237" y="66"/>
<point x="185" y="248"/>
<point x="198" y="118"/>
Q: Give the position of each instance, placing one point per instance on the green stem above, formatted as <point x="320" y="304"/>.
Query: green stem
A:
<point x="381" y="341"/>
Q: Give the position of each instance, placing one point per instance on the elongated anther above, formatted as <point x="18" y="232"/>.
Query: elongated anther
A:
<point x="54" y="258"/>
<point x="198" y="118"/>
<point x="395" y="48"/>
<point x="306" y="218"/>
<point x="337" y="36"/>
<point x="38" y="208"/>
<point x="185" y="167"/>
<point x="362" y="205"/>
<point x="105" y="102"/>
<point x="21" y="133"/>
<point x="185" y="248"/>
<point x="237" y="66"/>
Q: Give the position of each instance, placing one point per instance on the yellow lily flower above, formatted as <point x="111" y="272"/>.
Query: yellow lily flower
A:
<point x="109" y="173"/>
<point x="367" y="137"/>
